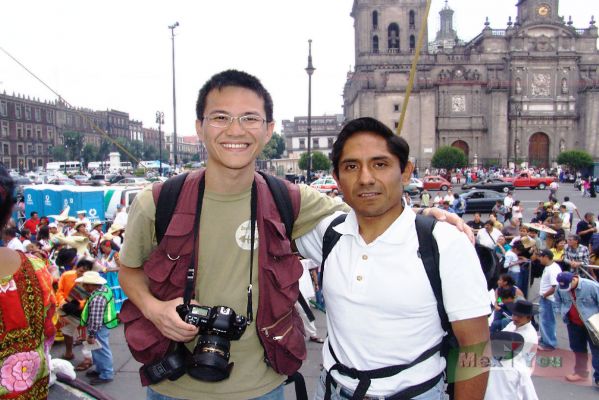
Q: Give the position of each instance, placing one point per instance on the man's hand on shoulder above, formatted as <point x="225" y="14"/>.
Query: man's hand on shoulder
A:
<point x="163" y="314"/>
<point x="453" y="219"/>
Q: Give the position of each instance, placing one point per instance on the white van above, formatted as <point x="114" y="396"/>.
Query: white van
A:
<point x="114" y="195"/>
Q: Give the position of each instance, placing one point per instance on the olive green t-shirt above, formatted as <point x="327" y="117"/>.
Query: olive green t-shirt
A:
<point x="223" y="278"/>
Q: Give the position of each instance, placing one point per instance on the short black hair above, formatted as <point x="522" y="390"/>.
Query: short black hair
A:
<point x="234" y="78"/>
<point x="86" y="264"/>
<point x="506" y="292"/>
<point x="10" y="231"/>
<point x="32" y="213"/>
<point x="507" y="279"/>
<point x="7" y="199"/>
<point x="65" y="256"/>
<point x="395" y="144"/>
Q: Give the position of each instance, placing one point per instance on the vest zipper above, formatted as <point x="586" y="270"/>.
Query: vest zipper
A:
<point x="277" y="338"/>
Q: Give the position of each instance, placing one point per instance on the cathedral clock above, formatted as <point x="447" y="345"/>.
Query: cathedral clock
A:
<point x="544" y="10"/>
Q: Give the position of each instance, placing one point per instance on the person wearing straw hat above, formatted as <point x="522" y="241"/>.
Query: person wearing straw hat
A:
<point x="578" y="299"/>
<point x="95" y="235"/>
<point x="117" y="231"/>
<point x="81" y="217"/>
<point x="99" y="316"/>
<point x="108" y="258"/>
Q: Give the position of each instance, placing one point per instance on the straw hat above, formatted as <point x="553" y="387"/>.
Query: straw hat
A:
<point x="81" y="212"/>
<point x="78" y="224"/>
<point x="62" y="217"/>
<point x="115" y="228"/>
<point x="71" y="219"/>
<point x="97" y="223"/>
<point x="91" y="278"/>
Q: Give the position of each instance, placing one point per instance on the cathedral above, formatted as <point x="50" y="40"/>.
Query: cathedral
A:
<point x="521" y="94"/>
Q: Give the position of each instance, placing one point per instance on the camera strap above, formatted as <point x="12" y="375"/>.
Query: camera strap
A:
<point x="190" y="281"/>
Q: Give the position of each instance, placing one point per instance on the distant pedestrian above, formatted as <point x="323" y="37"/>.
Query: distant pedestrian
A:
<point x="99" y="315"/>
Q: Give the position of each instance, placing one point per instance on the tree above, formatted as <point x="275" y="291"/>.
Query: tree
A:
<point x="274" y="148"/>
<point x="90" y="153"/>
<point x="448" y="157"/>
<point x="576" y="160"/>
<point x="320" y="162"/>
<point x="150" y="152"/>
<point x="73" y="143"/>
<point x="59" y="153"/>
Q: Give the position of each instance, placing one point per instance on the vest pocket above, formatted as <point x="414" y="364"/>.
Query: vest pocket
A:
<point x="143" y="338"/>
<point x="284" y="343"/>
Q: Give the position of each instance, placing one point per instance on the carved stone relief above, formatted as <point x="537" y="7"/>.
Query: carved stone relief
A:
<point x="541" y="84"/>
<point x="458" y="103"/>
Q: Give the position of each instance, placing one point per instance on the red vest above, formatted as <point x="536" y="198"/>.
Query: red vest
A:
<point x="280" y="329"/>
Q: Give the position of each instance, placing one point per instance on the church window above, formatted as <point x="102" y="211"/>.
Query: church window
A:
<point x="412" y="42"/>
<point x="375" y="20"/>
<point x="412" y="17"/>
<point x="393" y="35"/>
<point x="375" y="44"/>
<point x="396" y="107"/>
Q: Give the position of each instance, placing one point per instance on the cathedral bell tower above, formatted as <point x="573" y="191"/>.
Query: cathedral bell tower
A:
<point x="538" y="11"/>
<point x="387" y="26"/>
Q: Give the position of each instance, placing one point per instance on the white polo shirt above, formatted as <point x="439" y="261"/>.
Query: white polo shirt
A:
<point x="549" y="279"/>
<point x="381" y="310"/>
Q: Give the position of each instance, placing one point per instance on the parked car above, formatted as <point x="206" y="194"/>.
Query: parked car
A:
<point x="435" y="182"/>
<point x="527" y="179"/>
<point x="131" y="182"/>
<point x="481" y="200"/>
<point x="325" y="184"/>
<point x="80" y="179"/>
<point x="100" y="179"/>
<point x="62" y="181"/>
<point x="414" y="187"/>
<point x="496" y="184"/>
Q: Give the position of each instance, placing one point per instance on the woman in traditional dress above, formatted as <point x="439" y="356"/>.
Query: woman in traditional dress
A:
<point x="108" y="258"/>
<point x="27" y="306"/>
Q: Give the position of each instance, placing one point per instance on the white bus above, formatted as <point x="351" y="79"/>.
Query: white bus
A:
<point x="59" y="166"/>
<point x="98" y="165"/>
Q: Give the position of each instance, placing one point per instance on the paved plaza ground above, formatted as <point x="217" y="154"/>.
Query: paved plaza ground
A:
<point x="126" y="384"/>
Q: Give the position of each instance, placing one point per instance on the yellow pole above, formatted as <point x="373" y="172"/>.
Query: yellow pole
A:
<point x="404" y="107"/>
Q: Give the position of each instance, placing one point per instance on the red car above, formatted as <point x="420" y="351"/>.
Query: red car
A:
<point x="324" y="184"/>
<point x="435" y="182"/>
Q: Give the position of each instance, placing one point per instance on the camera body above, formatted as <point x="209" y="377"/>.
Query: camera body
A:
<point x="218" y="320"/>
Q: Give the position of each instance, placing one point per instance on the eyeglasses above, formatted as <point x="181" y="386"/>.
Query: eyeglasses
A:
<point x="222" y="120"/>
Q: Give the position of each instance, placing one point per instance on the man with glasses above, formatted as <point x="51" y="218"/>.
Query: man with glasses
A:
<point x="234" y="122"/>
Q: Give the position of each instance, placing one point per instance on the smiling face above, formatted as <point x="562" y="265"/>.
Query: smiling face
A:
<point x="233" y="148"/>
<point x="370" y="177"/>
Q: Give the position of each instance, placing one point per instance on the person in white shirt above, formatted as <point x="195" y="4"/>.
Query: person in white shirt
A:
<point x="571" y="207"/>
<point x="511" y="378"/>
<point x="121" y="216"/>
<point x="381" y="311"/>
<point x="508" y="202"/>
<point x="81" y="217"/>
<point x="488" y="236"/>
<point x="11" y="240"/>
<point x="547" y="288"/>
<point x="96" y="234"/>
<point x="437" y="200"/>
<point x="564" y="215"/>
<point x="448" y="196"/>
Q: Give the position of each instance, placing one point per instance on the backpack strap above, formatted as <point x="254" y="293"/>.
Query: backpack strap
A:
<point x="329" y="240"/>
<point x="280" y="194"/>
<point x="167" y="194"/>
<point x="428" y="251"/>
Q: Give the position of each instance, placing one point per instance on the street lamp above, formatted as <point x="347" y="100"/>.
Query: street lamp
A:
<point x="160" y="121"/>
<point x="172" y="28"/>
<point x="310" y="70"/>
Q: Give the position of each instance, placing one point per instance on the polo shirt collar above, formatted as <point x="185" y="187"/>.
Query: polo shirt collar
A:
<point x="396" y="233"/>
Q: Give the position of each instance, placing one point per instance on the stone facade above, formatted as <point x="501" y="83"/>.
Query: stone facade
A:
<point x="523" y="93"/>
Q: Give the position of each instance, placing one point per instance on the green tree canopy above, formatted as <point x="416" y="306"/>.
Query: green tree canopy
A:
<point x="59" y="153"/>
<point x="274" y="148"/>
<point x="320" y="162"/>
<point x="73" y="143"/>
<point x="449" y="158"/>
<point x="90" y="153"/>
<point x="575" y="159"/>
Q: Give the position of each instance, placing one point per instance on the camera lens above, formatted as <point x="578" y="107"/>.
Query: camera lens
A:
<point x="210" y="359"/>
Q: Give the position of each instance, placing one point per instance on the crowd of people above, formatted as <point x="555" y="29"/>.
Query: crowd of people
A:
<point x="80" y="260"/>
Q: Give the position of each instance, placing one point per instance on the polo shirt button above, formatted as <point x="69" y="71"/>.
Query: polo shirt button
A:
<point x="364" y="257"/>
<point x="359" y="278"/>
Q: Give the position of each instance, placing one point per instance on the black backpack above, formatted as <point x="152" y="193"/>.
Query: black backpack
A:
<point x="428" y="253"/>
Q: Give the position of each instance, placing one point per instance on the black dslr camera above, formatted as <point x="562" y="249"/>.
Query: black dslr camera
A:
<point x="210" y="358"/>
<point x="218" y="326"/>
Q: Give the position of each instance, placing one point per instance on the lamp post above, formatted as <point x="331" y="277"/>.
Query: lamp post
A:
<point x="172" y="28"/>
<point x="160" y="121"/>
<point x="310" y="70"/>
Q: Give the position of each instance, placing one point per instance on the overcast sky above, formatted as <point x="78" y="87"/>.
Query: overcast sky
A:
<point x="117" y="54"/>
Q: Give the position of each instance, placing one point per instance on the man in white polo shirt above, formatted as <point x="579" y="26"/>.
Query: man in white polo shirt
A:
<point x="547" y="289"/>
<point x="381" y="309"/>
